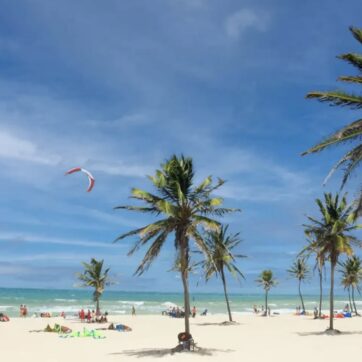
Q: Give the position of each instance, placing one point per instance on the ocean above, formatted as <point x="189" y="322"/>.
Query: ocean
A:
<point x="120" y="302"/>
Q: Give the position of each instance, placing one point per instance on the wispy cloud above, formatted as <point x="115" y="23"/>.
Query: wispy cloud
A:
<point x="243" y="20"/>
<point x="13" y="147"/>
<point x="120" y="168"/>
<point x="29" y="238"/>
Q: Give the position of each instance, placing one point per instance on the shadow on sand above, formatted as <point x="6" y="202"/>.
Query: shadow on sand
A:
<point x="223" y="324"/>
<point x="162" y="352"/>
<point x="323" y="333"/>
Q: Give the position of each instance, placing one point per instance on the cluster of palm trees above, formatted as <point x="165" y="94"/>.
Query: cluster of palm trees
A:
<point x="351" y="278"/>
<point x="189" y="214"/>
<point x="330" y="235"/>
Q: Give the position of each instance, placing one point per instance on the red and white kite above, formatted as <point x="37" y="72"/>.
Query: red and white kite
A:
<point x="90" y="176"/>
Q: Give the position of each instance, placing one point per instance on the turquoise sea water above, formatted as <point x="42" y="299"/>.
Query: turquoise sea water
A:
<point x="119" y="302"/>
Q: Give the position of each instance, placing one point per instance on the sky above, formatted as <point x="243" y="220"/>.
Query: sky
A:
<point x="117" y="87"/>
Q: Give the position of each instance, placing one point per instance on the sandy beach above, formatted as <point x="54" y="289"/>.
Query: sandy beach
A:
<point x="278" y="338"/>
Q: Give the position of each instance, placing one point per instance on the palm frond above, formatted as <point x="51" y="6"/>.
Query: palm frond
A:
<point x="357" y="33"/>
<point x="350" y="78"/>
<point x="345" y="134"/>
<point x="352" y="58"/>
<point x="152" y="253"/>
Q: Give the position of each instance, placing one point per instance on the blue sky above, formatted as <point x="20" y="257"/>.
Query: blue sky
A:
<point x="118" y="86"/>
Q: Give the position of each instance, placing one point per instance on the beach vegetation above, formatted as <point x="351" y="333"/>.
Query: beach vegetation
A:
<point x="351" y="271"/>
<point x="313" y="248"/>
<point x="220" y="257"/>
<point x="95" y="276"/>
<point x="351" y="133"/>
<point x="183" y="209"/>
<point x="267" y="281"/>
<point x="300" y="271"/>
<point x="332" y="236"/>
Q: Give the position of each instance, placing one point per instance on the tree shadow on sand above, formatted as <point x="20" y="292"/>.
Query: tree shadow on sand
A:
<point x="162" y="352"/>
<point x="222" y="324"/>
<point x="323" y="333"/>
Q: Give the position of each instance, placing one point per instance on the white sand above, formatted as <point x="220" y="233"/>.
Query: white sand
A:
<point x="278" y="338"/>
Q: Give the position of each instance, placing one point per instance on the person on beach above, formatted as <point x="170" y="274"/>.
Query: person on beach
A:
<point x="82" y="315"/>
<point x="193" y="312"/>
<point x="133" y="311"/>
<point x="89" y="316"/>
<point x="315" y="313"/>
<point x="25" y="311"/>
<point x="4" y="318"/>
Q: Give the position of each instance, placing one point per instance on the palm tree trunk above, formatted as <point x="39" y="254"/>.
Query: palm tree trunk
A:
<point x="266" y="302"/>
<point x="350" y="300"/>
<point x="98" y="311"/>
<point x="184" y="276"/>
<point x="300" y="295"/>
<point x="226" y="295"/>
<point x="354" y="302"/>
<point x="331" y="296"/>
<point x="320" y="291"/>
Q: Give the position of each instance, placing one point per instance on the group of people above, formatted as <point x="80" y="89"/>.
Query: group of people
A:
<point x="174" y="312"/>
<point x="92" y="317"/>
<point x="177" y="312"/>
<point x="299" y="310"/>
<point x="262" y="310"/>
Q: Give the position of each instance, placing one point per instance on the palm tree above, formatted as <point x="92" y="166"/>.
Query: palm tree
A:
<point x="266" y="281"/>
<point x="184" y="208"/>
<point x="332" y="236"/>
<point x="94" y="276"/>
<point x="220" y="257"/>
<point x="353" y="131"/>
<point x="345" y="281"/>
<point x="351" y="278"/>
<point x="300" y="271"/>
<point x="313" y="248"/>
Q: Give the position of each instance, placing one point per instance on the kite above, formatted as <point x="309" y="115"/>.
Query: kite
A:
<point x="90" y="176"/>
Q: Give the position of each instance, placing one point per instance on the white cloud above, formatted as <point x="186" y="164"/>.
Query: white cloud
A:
<point x="29" y="238"/>
<point x="255" y="177"/>
<point x="121" y="169"/>
<point x="13" y="147"/>
<point x="237" y="23"/>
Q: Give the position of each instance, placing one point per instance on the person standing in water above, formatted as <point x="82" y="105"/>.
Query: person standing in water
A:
<point x="133" y="310"/>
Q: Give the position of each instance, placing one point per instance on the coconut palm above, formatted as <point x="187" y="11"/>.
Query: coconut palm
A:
<point x="300" y="271"/>
<point x="94" y="276"/>
<point x="184" y="208"/>
<point x="351" y="278"/>
<point x="266" y="281"/>
<point x="220" y="256"/>
<point x="353" y="131"/>
<point x="345" y="281"/>
<point x="332" y="236"/>
<point x="313" y="249"/>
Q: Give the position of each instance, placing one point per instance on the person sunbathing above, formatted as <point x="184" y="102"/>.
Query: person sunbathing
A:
<point x="57" y="329"/>
<point x="119" y="328"/>
<point x="4" y="318"/>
